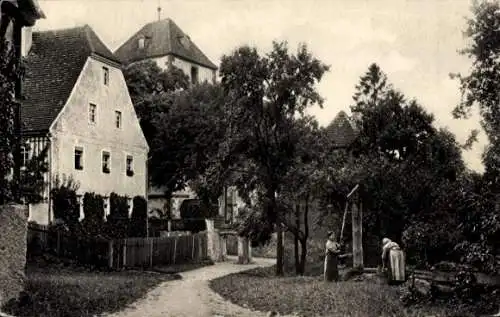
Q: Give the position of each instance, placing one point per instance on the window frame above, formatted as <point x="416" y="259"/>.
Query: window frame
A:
<point x="82" y="151"/>
<point x="106" y="169"/>
<point x="105" y="71"/>
<point x="129" y="168"/>
<point x="118" y="119"/>
<point x="92" y="113"/>
<point x="25" y="156"/>
<point x="141" y="42"/>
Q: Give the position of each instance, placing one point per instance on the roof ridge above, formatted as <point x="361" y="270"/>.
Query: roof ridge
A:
<point x="166" y="39"/>
<point x="86" y="30"/>
<point x="61" y="29"/>
<point x="129" y="39"/>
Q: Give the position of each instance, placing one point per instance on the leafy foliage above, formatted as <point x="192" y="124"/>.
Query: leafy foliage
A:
<point x="265" y="94"/>
<point x="194" y="213"/>
<point x="32" y="181"/>
<point x="479" y="89"/>
<point x="409" y="171"/>
<point x="149" y="86"/>
<point x="118" y="218"/>
<point x="64" y="200"/>
<point x="253" y="224"/>
<point x="138" y="219"/>
<point x="93" y="209"/>
<point x="188" y="137"/>
<point x="9" y="74"/>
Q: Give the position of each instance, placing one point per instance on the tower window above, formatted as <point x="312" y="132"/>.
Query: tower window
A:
<point x="105" y="72"/>
<point x="141" y="42"/>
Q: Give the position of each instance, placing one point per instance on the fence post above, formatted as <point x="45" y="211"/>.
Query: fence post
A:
<point x="150" y="252"/>
<point x="192" y="251"/>
<point x="58" y="247"/>
<point x="201" y="246"/>
<point x="124" y="252"/>
<point x="175" y="249"/>
<point x="110" y="254"/>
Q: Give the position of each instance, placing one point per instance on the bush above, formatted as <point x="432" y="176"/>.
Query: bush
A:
<point x="193" y="214"/>
<point x="93" y="209"/>
<point x="138" y="220"/>
<point x="253" y="223"/>
<point x="117" y="226"/>
<point x="65" y="202"/>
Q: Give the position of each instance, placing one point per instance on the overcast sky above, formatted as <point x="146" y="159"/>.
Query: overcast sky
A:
<point x="414" y="41"/>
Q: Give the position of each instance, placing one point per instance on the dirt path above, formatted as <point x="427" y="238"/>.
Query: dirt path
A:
<point x="192" y="296"/>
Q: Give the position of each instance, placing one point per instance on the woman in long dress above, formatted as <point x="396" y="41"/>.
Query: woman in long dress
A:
<point x="394" y="259"/>
<point x="332" y="250"/>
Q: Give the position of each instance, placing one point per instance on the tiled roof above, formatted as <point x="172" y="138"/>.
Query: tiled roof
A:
<point x="341" y="131"/>
<point x="162" y="38"/>
<point x="53" y="65"/>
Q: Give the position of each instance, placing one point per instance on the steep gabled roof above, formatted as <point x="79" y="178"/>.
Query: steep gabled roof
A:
<point x="162" y="38"/>
<point x="53" y="65"/>
<point x="341" y="131"/>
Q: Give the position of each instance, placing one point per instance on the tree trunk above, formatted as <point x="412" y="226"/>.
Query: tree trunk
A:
<point x="273" y="210"/>
<point x="279" y="251"/>
<point x="303" y="255"/>
<point x="357" y="233"/>
<point x="296" y="240"/>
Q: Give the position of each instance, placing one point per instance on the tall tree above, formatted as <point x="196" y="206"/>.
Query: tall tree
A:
<point x="174" y="119"/>
<point x="479" y="88"/>
<point x="265" y="94"/>
<point x="150" y="89"/>
<point x="371" y="89"/>
<point x="9" y="74"/>
<point x="188" y="134"/>
<point x="402" y="160"/>
<point x="305" y="181"/>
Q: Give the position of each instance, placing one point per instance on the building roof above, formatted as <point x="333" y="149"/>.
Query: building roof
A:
<point x="162" y="38"/>
<point x="341" y="131"/>
<point x="55" y="61"/>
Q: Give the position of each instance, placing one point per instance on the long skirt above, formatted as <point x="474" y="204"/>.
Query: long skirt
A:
<point x="396" y="267"/>
<point x="331" y="272"/>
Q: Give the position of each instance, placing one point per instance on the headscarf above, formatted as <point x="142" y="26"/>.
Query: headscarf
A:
<point x="330" y="233"/>
<point x="385" y="241"/>
<point x="389" y="244"/>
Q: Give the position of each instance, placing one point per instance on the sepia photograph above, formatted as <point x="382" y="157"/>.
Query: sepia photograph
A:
<point x="253" y="158"/>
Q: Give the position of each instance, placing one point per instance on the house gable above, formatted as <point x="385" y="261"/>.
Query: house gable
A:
<point x="53" y="65"/>
<point x="108" y="99"/>
<point x="99" y="133"/>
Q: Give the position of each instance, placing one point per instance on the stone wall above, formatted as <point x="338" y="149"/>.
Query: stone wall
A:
<point x="13" y="228"/>
<point x="214" y="242"/>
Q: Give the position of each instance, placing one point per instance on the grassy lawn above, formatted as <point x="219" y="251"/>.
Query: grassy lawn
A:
<point x="310" y="296"/>
<point x="56" y="291"/>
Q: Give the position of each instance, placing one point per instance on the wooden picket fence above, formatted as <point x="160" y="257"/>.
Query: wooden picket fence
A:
<point x="122" y="253"/>
<point x="91" y="251"/>
<point x="149" y="252"/>
<point x="40" y="232"/>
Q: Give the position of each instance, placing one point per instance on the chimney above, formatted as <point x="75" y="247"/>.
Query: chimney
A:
<point x="26" y="40"/>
